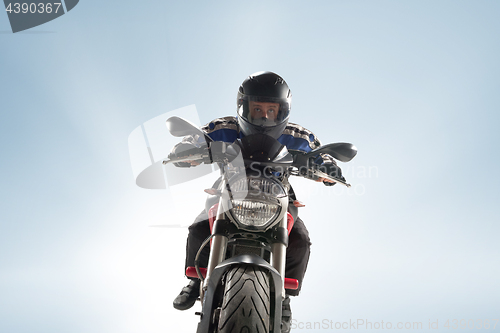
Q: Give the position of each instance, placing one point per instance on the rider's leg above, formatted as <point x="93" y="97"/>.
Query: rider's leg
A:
<point x="297" y="254"/>
<point x="297" y="257"/>
<point x="198" y="232"/>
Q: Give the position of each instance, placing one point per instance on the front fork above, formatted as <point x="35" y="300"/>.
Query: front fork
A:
<point x="278" y="261"/>
<point x="217" y="250"/>
<point x="218" y="253"/>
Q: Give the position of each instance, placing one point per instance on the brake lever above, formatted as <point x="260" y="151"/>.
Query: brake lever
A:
<point x="185" y="159"/>
<point x="321" y="174"/>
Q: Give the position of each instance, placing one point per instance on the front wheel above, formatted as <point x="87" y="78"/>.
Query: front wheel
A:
<point x="246" y="304"/>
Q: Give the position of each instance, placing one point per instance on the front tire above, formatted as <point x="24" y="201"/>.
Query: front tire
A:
<point x="246" y="304"/>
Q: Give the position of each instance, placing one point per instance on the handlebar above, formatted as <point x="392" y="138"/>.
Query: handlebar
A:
<point x="207" y="156"/>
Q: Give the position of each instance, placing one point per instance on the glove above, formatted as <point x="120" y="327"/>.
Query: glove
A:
<point x="181" y="150"/>
<point x="333" y="170"/>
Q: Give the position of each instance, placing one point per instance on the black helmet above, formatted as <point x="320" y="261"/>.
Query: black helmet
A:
<point x="264" y="87"/>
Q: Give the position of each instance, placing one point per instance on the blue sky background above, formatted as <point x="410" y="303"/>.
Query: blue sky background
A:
<point x="413" y="84"/>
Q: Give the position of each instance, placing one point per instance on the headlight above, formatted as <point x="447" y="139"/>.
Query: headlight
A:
<point x="256" y="202"/>
<point x="253" y="213"/>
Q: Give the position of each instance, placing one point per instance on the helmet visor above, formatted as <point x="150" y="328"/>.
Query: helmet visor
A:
<point x="264" y="111"/>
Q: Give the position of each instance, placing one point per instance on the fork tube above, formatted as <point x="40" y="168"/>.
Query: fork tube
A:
<point x="278" y="258"/>
<point x="217" y="248"/>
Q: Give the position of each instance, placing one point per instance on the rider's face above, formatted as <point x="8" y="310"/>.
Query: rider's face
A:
<point x="259" y="110"/>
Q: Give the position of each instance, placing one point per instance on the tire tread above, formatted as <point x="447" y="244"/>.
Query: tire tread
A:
<point x="246" y="304"/>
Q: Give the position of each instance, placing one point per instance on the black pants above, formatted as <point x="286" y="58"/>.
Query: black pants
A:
<point x="297" y="252"/>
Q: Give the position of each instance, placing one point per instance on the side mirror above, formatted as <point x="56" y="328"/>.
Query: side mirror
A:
<point x="181" y="127"/>
<point x="341" y="151"/>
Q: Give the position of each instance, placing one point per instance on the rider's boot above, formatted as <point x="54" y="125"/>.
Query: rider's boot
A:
<point x="188" y="295"/>
<point x="286" y="315"/>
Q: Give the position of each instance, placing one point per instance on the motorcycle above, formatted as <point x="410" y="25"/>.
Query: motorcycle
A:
<point x="251" y="213"/>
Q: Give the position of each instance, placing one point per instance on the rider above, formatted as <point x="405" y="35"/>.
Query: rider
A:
<point x="264" y="103"/>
